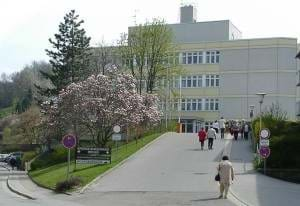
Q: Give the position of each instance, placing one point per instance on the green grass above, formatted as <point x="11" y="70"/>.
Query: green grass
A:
<point x="6" y="111"/>
<point x="48" y="177"/>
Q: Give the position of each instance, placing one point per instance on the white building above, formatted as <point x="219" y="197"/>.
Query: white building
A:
<point x="224" y="72"/>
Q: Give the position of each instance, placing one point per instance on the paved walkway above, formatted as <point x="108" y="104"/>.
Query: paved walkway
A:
<point x="257" y="189"/>
<point x="172" y="171"/>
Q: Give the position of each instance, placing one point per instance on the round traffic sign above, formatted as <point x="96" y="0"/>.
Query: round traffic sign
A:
<point x="265" y="133"/>
<point x="69" y="141"/>
<point x="264" y="152"/>
<point x="117" y="129"/>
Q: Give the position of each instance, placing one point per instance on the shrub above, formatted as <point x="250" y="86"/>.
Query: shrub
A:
<point x="67" y="184"/>
<point x="58" y="155"/>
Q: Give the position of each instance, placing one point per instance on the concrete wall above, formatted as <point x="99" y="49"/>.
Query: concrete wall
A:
<point x="257" y="68"/>
<point x="238" y="107"/>
<point x="200" y="31"/>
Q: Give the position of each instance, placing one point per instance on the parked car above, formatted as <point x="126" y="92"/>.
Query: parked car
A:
<point x="2" y="157"/>
<point x="15" y="155"/>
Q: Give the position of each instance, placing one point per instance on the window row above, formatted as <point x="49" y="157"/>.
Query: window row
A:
<point x="201" y="104"/>
<point x="200" y="57"/>
<point x="208" y="80"/>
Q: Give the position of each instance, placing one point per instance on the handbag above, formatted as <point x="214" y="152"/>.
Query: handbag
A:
<point x="217" y="177"/>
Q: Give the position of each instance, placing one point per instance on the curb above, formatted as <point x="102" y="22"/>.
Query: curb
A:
<point x="17" y="192"/>
<point x="121" y="163"/>
<point x="45" y="187"/>
<point x="233" y="194"/>
<point x="14" y="190"/>
<point x="239" y="200"/>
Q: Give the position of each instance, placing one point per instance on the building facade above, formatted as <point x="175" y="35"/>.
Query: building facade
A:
<point x="223" y="73"/>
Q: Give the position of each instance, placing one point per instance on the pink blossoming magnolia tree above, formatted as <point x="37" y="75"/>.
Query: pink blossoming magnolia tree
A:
<point x="102" y="101"/>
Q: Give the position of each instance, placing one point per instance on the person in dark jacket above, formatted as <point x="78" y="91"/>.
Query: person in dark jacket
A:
<point x="13" y="162"/>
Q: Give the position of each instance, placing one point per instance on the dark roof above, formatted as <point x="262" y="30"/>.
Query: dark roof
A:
<point x="298" y="55"/>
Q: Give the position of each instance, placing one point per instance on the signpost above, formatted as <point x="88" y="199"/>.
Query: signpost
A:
<point x="264" y="149"/>
<point x="69" y="141"/>
<point x="116" y="137"/>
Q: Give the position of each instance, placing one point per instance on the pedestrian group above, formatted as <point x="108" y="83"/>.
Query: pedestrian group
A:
<point x="225" y="172"/>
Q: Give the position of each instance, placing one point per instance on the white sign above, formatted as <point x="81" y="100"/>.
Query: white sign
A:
<point x="116" y="137"/>
<point x="264" y="142"/>
<point x="265" y="133"/>
<point x="117" y="129"/>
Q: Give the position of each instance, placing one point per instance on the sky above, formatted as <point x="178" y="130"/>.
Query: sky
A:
<point x="27" y="25"/>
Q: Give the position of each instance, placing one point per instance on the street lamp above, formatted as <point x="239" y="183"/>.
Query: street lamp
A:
<point x="251" y="111"/>
<point x="261" y="96"/>
<point x="261" y="100"/>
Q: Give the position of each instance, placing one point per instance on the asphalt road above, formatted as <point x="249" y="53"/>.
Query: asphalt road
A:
<point x="172" y="171"/>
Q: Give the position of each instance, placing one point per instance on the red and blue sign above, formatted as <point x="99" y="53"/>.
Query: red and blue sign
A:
<point x="264" y="151"/>
<point x="69" y="141"/>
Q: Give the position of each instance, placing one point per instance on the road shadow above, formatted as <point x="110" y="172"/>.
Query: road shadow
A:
<point x="197" y="149"/>
<point x="200" y="173"/>
<point x="206" y="199"/>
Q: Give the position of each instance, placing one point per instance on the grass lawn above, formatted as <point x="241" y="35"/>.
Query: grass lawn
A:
<point x="48" y="177"/>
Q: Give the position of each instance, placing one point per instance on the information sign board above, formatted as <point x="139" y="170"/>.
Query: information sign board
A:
<point x="92" y="155"/>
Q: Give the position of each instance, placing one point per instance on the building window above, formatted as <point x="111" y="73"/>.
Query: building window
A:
<point x="183" y="104"/>
<point x="216" y="105"/>
<point x="195" y="58"/>
<point x="175" y="104"/>
<point x="207" y="104"/>
<point x="217" y="56"/>
<point x="207" y="57"/>
<point x="212" y="105"/>
<point x="189" y="82"/>
<point x="212" y="80"/>
<point x="217" y="80"/>
<point x="199" y="104"/>
<point x="189" y="58"/>
<point x="212" y="57"/>
<point x="183" y="82"/>
<point x="200" y="57"/>
<point x="194" y="81"/>
<point x="188" y="105"/>
<point x="183" y="58"/>
<point x="194" y="104"/>
<point x="207" y="80"/>
<point x="200" y="81"/>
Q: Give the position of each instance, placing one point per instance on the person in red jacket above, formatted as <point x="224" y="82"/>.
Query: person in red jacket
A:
<point x="202" y="137"/>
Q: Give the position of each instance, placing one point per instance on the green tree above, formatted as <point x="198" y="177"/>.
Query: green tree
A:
<point x="149" y="53"/>
<point x="70" y="55"/>
<point x="25" y="102"/>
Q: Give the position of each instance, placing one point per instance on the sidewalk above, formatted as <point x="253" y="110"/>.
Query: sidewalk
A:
<point x="20" y="183"/>
<point x="256" y="189"/>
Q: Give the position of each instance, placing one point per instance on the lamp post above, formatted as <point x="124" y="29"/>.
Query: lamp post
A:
<point x="251" y="111"/>
<point x="261" y="96"/>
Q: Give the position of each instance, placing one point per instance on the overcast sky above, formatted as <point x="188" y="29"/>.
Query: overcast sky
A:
<point x="27" y="25"/>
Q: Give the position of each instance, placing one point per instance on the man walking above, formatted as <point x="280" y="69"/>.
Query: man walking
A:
<point x="211" y="135"/>
<point x="226" y="173"/>
<point x="216" y="126"/>
<point x="222" y="122"/>
<point x="246" y="131"/>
